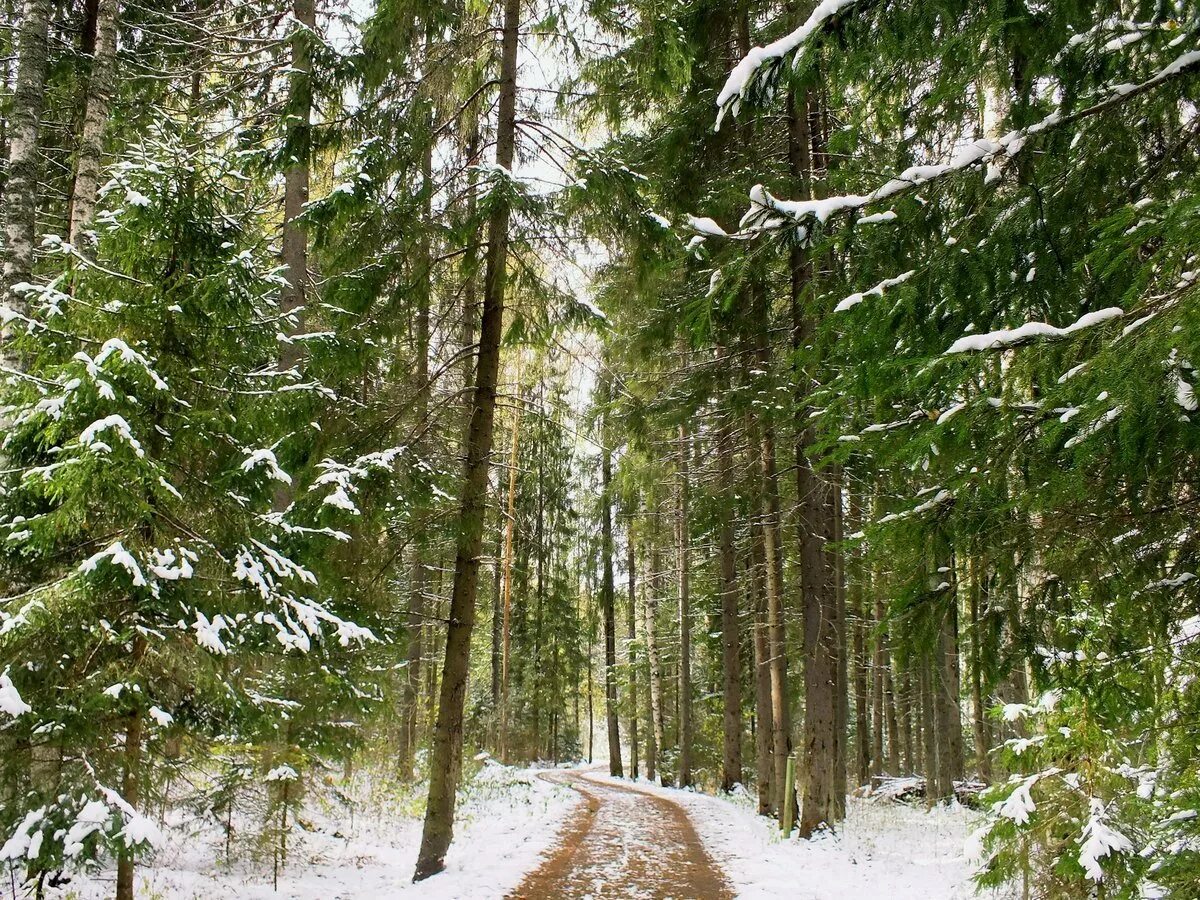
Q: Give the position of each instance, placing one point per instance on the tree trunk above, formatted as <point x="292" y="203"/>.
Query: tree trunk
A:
<point x="683" y="549"/>
<point x="131" y="785"/>
<point x="631" y="572"/>
<point x="928" y="731"/>
<point x="781" y="739"/>
<point x="946" y="682"/>
<point x="510" y="524"/>
<point x="650" y="610"/>
<point x="608" y="600"/>
<point x="841" y="688"/>
<point x="416" y="603"/>
<point x="859" y="603"/>
<point x="497" y="640"/>
<point x="446" y="762"/>
<point x="21" y="189"/>
<point x="89" y="156"/>
<point x="298" y="149"/>
<point x="983" y="738"/>
<point x="731" y="663"/>
<point x="764" y="733"/>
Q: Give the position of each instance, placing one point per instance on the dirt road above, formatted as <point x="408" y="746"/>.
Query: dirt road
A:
<point x="624" y="844"/>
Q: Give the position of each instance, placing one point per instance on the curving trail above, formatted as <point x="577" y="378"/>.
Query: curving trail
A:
<point x="624" y="844"/>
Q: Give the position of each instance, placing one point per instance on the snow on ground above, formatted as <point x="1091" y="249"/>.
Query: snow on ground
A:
<point x="508" y="819"/>
<point x="884" y="850"/>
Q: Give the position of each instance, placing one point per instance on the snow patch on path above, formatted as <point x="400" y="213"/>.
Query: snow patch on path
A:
<point x="884" y="850"/>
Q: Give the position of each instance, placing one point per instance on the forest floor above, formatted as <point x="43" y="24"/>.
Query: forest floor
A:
<point x="537" y="834"/>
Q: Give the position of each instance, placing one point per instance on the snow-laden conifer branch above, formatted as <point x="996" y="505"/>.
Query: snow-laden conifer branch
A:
<point x="768" y="213"/>
<point x="744" y="74"/>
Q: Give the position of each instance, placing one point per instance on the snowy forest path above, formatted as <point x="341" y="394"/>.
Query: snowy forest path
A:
<point x="624" y="843"/>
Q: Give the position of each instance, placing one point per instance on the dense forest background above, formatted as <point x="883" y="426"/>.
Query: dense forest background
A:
<point x="383" y="383"/>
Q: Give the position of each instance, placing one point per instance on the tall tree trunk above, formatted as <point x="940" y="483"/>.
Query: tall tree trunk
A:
<point x="607" y="598"/>
<point x="859" y="603"/>
<point x="731" y="663"/>
<point x="781" y="738"/>
<point x="131" y="784"/>
<point x="497" y="640"/>
<point x="652" y="734"/>
<point x="841" y="688"/>
<point x="298" y="149"/>
<point x="928" y="730"/>
<point x="21" y="189"/>
<point x="510" y="524"/>
<point x="89" y="156"/>
<point x="446" y="762"/>
<point x="978" y="603"/>
<point x="946" y="682"/>
<point x="650" y="610"/>
<point x="410" y="715"/>
<point x="764" y="734"/>
<point x="819" y="806"/>
<point x="877" y="675"/>
<point x="631" y="572"/>
<point x="683" y="549"/>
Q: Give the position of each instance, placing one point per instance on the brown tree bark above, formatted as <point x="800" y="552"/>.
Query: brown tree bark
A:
<point x="131" y="779"/>
<point x="631" y="573"/>
<point x="764" y="732"/>
<point x="820" y="806"/>
<point x="89" y="155"/>
<point x="683" y="551"/>
<point x="859" y="603"/>
<point x="982" y="727"/>
<point x="945" y="682"/>
<point x="928" y="719"/>
<point x="298" y="147"/>
<point x="607" y="598"/>
<point x="446" y="762"/>
<point x="731" y="663"/>
<point x="510" y="524"/>
<point x="657" y="718"/>
<point x="410" y="709"/>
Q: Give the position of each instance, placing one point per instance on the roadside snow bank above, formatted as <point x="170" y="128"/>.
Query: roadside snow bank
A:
<point x="884" y="850"/>
<point x="360" y="841"/>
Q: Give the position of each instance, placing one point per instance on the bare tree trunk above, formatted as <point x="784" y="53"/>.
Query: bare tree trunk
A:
<point x="95" y="119"/>
<point x="928" y="730"/>
<point x="131" y="785"/>
<point x="298" y="149"/>
<point x="652" y="735"/>
<point x="446" y="763"/>
<point x="905" y="690"/>
<point x="410" y="715"/>
<point x="781" y="742"/>
<point x="631" y="573"/>
<point x="21" y="189"/>
<point x="497" y="640"/>
<point x="841" y="687"/>
<point x="607" y="598"/>
<point x="764" y="734"/>
<point x="946" y="682"/>
<point x="657" y="721"/>
<point x="510" y="524"/>
<point x="877" y="675"/>
<point x="983" y="737"/>
<point x="859" y="603"/>
<point x="683" y="548"/>
<point x="731" y="663"/>
<point x="820" y="631"/>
